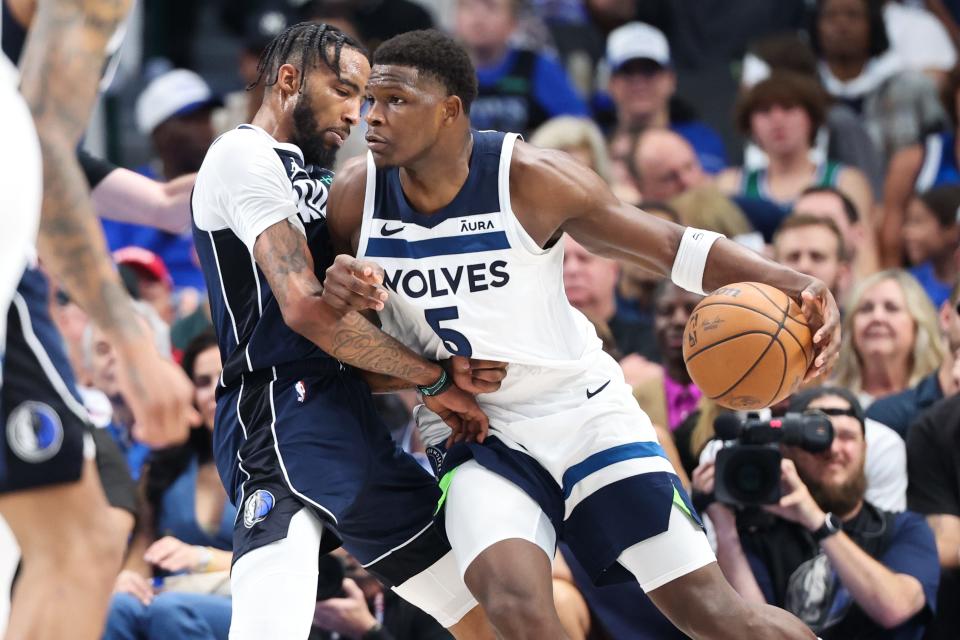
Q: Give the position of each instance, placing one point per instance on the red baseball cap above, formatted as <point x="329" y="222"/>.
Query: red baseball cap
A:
<point x="145" y="262"/>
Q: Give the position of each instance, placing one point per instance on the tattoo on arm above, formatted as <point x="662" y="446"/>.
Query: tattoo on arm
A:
<point x="61" y="67"/>
<point x="283" y="256"/>
<point x="281" y="251"/>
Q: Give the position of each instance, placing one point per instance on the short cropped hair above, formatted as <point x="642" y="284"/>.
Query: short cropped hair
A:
<point x="849" y="209"/>
<point x="436" y="54"/>
<point x="801" y="220"/>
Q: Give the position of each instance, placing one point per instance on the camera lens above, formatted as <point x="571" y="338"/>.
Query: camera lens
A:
<point x="751" y="480"/>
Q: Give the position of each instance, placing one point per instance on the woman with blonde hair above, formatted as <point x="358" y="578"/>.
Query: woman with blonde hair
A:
<point x="891" y="336"/>
<point x="580" y="137"/>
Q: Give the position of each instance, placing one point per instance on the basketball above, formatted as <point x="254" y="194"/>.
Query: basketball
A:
<point x="747" y="346"/>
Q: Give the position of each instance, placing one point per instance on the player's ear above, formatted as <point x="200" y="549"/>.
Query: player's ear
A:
<point x="451" y="107"/>
<point x="288" y="80"/>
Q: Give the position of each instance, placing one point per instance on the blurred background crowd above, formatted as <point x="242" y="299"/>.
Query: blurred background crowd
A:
<point x="822" y="133"/>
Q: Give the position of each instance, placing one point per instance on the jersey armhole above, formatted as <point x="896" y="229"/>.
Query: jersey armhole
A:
<point x="369" y="200"/>
<point x="515" y="231"/>
<point x="930" y="166"/>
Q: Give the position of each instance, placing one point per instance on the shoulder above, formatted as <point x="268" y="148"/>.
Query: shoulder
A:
<point x="555" y="176"/>
<point x="851" y="177"/>
<point x="351" y="178"/>
<point x="941" y="422"/>
<point x="241" y="151"/>
<point x="728" y="180"/>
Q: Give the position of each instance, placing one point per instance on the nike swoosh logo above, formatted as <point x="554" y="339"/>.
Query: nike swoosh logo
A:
<point x="602" y="387"/>
<point x="389" y="232"/>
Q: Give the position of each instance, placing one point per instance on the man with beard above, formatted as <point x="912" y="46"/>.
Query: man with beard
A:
<point x="298" y="444"/>
<point x="843" y="566"/>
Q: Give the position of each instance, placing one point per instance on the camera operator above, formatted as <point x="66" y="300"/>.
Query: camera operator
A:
<point x="846" y="568"/>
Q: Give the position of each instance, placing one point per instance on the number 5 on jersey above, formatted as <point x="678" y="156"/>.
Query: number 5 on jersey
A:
<point x="455" y="342"/>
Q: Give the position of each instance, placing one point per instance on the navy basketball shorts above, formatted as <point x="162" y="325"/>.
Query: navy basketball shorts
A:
<point x="285" y="443"/>
<point x="45" y="426"/>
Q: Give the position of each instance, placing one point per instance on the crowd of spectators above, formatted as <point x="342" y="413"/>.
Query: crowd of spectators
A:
<point x="822" y="133"/>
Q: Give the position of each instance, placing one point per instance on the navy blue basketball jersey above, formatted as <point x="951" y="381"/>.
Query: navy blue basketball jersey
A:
<point x="247" y="183"/>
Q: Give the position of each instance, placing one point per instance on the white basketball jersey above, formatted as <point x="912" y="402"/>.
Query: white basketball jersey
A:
<point x="468" y="280"/>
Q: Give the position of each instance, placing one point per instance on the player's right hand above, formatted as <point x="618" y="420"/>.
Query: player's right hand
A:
<point x="352" y="284"/>
<point x="462" y="414"/>
<point x="160" y="396"/>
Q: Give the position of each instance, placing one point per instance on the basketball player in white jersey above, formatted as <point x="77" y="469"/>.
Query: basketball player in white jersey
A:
<point x="49" y="491"/>
<point x="466" y="226"/>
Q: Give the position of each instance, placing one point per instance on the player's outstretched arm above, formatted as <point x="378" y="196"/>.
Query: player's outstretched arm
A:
<point x="127" y="196"/>
<point x="61" y="66"/>
<point x="282" y="253"/>
<point x="552" y="193"/>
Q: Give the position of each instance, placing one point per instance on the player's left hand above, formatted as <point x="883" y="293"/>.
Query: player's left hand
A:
<point x="352" y="284"/>
<point x="348" y="616"/>
<point x="823" y="316"/>
<point x="796" y="505"/>
<point x="476" y="376"/>
<point x="462" y="414"/>
<point x="173" y="555"/>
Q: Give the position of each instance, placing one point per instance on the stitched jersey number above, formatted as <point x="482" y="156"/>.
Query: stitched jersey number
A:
<point x="455" y="342"/>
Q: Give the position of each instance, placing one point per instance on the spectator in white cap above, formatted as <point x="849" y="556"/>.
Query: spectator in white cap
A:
<point x="175" y="111"/>
<point x="642" y="84"/>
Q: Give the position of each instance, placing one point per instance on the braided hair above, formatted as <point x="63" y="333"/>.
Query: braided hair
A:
<point x="305" y="45"/>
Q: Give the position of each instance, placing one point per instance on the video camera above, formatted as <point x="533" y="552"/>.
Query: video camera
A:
<point x="748" y="471"/>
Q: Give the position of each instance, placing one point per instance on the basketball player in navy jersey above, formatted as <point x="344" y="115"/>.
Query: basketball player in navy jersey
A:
<point x="466" y="226"/>
<point x="49" y="491"/>
<point x="297" y="441"/>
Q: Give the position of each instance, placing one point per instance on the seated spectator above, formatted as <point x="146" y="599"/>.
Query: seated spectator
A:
<point x="636" y="287"/>
<point x="671" y="396"/>
<point x="154" y="284"/>
<point x="364" y="609"/>
<point x="933" y="454"/>
<point x="813" y="246"/>
<point x="841" y="137"/>
<point x="175" y="110"/>
<point x="519" y="89"/>
<point x="662" y="166"/>
<point x="920" y="167"/>
<point x="590" y="281"/>
<point x="100" y="359"/>
<point x="185" y="530"/>
<point x="782" y="115"/>
<point x="931" y="238"/>
<point x="858" y="239"/>
<point x="892" y="338"/>
<point x="847" y="568"/>
<point x="579" y="137"/>
<point x="899" y="410"/>
<point x="642" y="84"/>
<point x="859" y="69"/>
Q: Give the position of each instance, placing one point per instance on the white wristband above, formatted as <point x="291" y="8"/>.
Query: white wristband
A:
<point x="691" y="259"/>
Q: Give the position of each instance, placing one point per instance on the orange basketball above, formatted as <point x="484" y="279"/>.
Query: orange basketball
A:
<point x="747" y="346"/>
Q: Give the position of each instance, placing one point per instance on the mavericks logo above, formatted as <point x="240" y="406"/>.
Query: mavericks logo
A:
<point x="257" y="507"/>
<point x="34" y="432"/>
